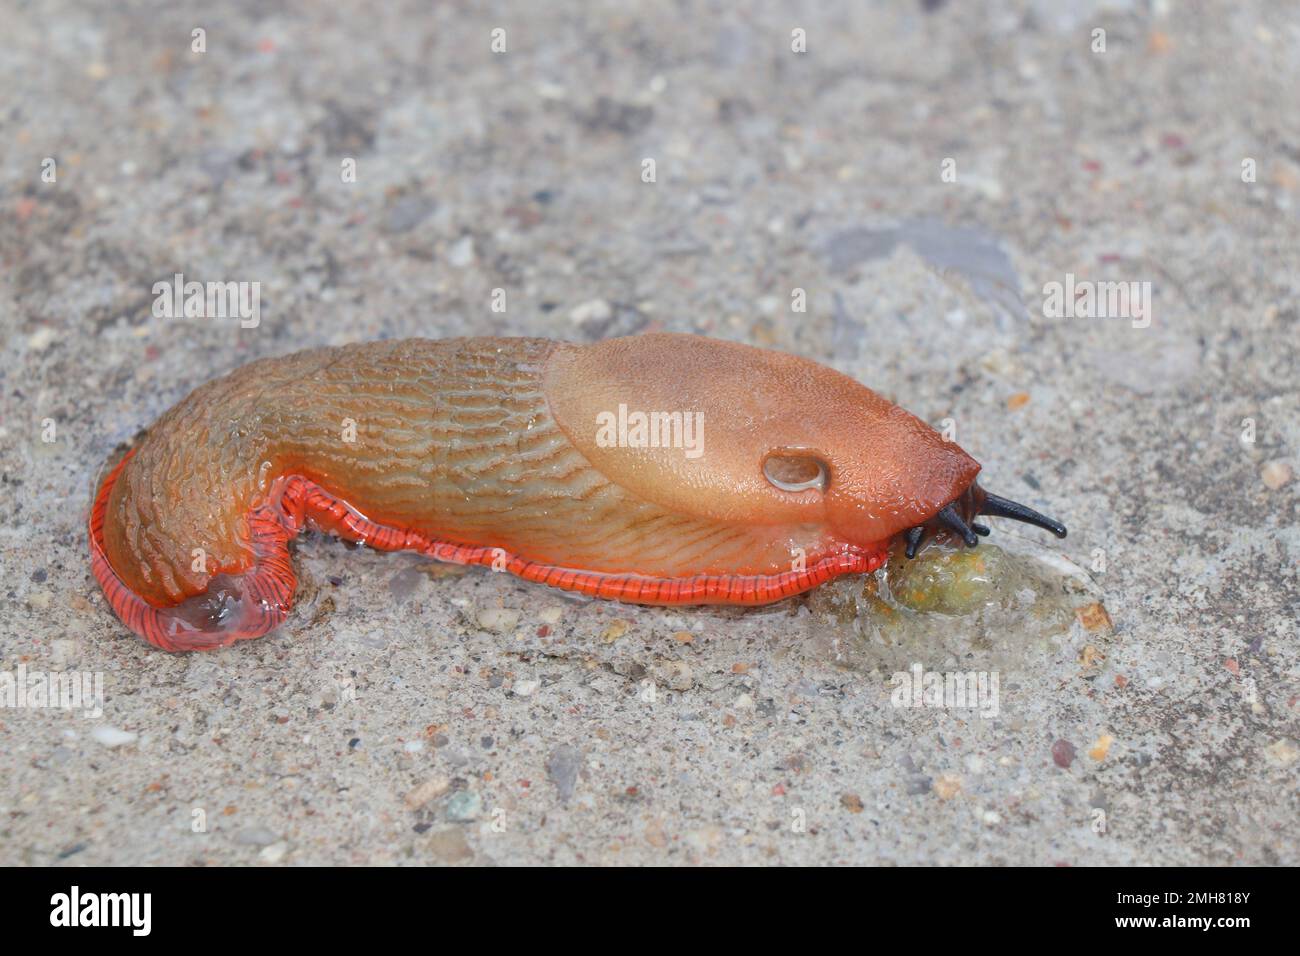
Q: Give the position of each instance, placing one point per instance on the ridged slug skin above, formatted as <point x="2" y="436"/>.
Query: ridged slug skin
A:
<point x="490" y="451"/>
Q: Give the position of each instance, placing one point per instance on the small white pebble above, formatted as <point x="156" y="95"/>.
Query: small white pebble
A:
<point x="526" y="688"/>
<point x="461" y="252"/>
<point x="274" y="853"/>
<point x="594" y="311"/>
<point x="112" y="737"/>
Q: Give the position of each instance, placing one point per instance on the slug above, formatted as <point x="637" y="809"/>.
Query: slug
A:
<point x="656" y="469"/>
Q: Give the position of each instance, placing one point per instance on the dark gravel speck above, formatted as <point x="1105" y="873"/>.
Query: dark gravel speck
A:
<point x="1063" y="753"/>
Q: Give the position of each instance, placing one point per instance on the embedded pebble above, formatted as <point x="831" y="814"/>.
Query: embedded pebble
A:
<point x="1063" y="753"/>
<point x="1093" y="616"/>
<point x="946" y="786"/>
<point x="464" y="806"/>
<point x="274" y="853"/>
<point x="1091" y="657"/>
<point x="429" y="790"/>
<point x="614" y="631"/>
<point x="1101" y="747"/>
<point x="461" y="252"/>
<point x="499" y="619"/>
<point x="112" y="737"/>
<point x="1276" y="474"/>
<point x="562" y="768"/>
<point x="678" y="675"/>
<point x="594" y="311"/>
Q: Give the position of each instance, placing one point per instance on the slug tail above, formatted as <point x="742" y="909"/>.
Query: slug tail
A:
<point x="235" y="607"/>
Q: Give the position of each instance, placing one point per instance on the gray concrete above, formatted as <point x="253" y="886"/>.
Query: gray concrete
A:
<point x="400" y="716"/>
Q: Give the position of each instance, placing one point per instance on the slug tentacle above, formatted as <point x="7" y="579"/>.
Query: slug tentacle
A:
<point x="914" y="538"/>
<point x="949" y="517"/>
<point x="958" y="517"/>
<point x="1006" y="508"/>
<point x="658" y="469"/>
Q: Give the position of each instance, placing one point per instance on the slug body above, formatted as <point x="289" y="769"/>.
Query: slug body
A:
<point x="658" y="469"/>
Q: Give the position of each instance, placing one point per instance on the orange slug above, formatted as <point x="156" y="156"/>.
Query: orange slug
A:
<point x="656" y="469"/>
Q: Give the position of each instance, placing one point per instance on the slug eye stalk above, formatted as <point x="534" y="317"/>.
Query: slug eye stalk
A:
<point x="996" y="507"/>
<point x="976" y="501"/>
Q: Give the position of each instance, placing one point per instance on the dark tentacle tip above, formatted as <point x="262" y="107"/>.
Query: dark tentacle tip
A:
<point x="949" y="517"/>
<point x="998" y="507"/>
<point x="914" y="536"/>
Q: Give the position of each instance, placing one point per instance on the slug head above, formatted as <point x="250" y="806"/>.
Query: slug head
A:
<point x="734" y="433"/>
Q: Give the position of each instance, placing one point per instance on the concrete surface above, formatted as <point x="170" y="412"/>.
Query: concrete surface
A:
<point x="411" y="714"/>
